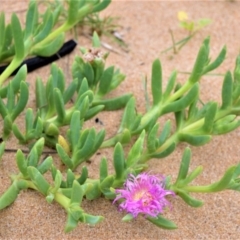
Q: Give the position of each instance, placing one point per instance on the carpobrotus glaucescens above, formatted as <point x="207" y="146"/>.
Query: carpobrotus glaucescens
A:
<point x="143" y="194"/>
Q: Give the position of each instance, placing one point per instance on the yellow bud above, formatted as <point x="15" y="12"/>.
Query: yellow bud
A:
<point x="64" y="144"/>
<point x="182" y="16"/>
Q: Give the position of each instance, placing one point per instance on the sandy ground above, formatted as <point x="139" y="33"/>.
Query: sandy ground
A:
<point x="146" y="27"/>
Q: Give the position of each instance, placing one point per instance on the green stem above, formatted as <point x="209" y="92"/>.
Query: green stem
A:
<point x="200" y="122"/>
<point x="177" y="43"/>
<point x="199" y="189"/>
<point x="31" y="185"/>
<point x="151" y="114"/>
<point x="9" y="70"/>
<point x="111" y="141"/>
<point x="123" y="137"/>
<point x="156" y="110"/>
<point x="54" y="34"/>
<point x="66" y="26"/>
<point x="62" y="200"/>
<point x="180" y="92"/>
<point x="58" y="197"/>
<point x="147" y="156"/>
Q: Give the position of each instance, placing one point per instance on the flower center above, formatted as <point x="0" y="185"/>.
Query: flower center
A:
<point x="144" y="196"/>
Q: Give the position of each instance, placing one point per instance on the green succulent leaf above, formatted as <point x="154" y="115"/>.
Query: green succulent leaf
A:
<point x="31" y="19"/>
<point x="101" y="5"/>
<point x="136" y="151"/>
<point x="103" y="169"/>
<point x="189" y="200"/>
<point x="59" y="105"/>
<point x="69" y="92"/>
<point x="51" y="129"/>
<point x="2" y="148"/>
<point x="210" y="117"/>
<point x="45" y="165"/>
<point x="217" y="62"/>
<point x="225" y="127"/>
<point x="15" y="82"/>
<point x="223" y="183"/>
<point x="93" y="220"/>
<point x="70" y="178"/>
<point x="7" y="127"/>
<point x="2" y="27"/>
<point x="22" y="102"/>
<point x="165" y="132"/>
<point x="71" y="223"/>
<point x="64" y="156"/>
<point x="105" y="186"/>
<point x="227" y="91"/>
<point x="194" y="140"/>
<point x="165" y="152"/>
<point x="93" y="192"/>
<point x="152" y="141"/>
<point x="128" y="115"/>
<point x="72" y="12"/>
<point x="77" y="193"/>
<point x="38" y="179"/>
<point x="183" y="102"/>
<point x="18" y="38"/>
<point x="84" y="175"/>
<point x="95" y="40"/>
<point x="170" y="85"/>
<point x="21" y="163"/>
<point x="10" y="98"/>
<point x="127" y="218"/>
<point x="199" y="65"/>
<point x="162" y="222"/>
<point x="9" y="196"/>
<point x="195" y="173"/>
<point x="119" y="161"/>
<point x="49" y="48"/>
<point x="18" y="134"/>
<point x="105" y="81"/>
<point x="156" y="82"/>
<point x="113" y="103"/>
<point x="183" y="170"/>
<point x="46" y="27"/>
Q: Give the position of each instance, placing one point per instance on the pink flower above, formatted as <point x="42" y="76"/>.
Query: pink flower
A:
<point x="143" y="194"/>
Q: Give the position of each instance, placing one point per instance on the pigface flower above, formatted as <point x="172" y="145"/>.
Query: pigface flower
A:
<point x="143" y="194"/>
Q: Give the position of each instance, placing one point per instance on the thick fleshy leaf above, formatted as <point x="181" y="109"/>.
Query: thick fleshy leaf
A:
<point x="119" y="161"/>
<point x="162" y="222"/>
<point x="199" y="65"/>
<point x="227" y="90"/>
<point x="156" y="82"/>
<point x="189" y="200"/>
<point x="183" y="102"/>
<point x="38" y="179"/>
<point x="183" y="170"/>
<point x="17" y="37"/>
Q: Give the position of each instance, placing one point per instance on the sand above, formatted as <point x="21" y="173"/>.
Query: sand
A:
<point x="146" y="27"/>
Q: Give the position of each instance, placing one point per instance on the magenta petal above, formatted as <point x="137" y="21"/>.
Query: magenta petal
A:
<point x="143" y="194"/>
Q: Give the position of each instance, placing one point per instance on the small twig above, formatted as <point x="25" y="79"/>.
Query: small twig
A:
<point x="209" y="74"/>
<point x="104" y="45"/>
<point x="12" y="150"/>
<point x="173" y="41"/>
<point x="147" y="104"/>
<point x="177" y="43"/>
<point x="203" y="104"/>
<point x="184" y="42"/>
